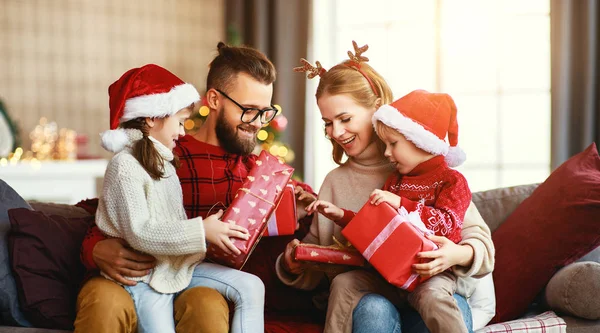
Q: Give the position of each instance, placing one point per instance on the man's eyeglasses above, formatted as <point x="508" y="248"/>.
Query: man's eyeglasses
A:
<point x="250" y="114"/>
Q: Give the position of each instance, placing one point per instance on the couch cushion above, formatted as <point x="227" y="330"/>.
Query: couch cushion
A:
<point x="63" y="210"/>
<point x="555" y="226"/>
<point x="575" y="290"/>
<point x="497" y="204"/>
<point x="44" y="254"/>
<point x="547" y="322"/>
<point x="9" y="303"/>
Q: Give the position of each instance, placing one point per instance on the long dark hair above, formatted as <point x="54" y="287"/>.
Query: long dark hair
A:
<point x="145" y="152"/>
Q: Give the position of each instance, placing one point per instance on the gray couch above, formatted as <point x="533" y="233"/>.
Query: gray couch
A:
<point x="495" y="206"/>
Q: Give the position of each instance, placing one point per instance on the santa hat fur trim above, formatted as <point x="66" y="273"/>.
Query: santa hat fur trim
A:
<point x="160" y="105"/>
<point x="413" y="131"/>
<point x="417" y="134"/>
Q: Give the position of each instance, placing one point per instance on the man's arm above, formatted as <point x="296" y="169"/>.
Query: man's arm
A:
<point x="113" y="257"/>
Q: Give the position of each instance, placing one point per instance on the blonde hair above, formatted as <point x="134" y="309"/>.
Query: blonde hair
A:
<point x="347" y="80"/>
<point x="384" y="131"/>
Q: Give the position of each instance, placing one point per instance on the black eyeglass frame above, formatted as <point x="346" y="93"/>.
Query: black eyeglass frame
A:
<point x="259" y="112"/>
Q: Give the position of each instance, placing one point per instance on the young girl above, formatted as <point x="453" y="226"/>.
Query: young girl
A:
<point x="348" y="95"/>
<point x="142" y="203"/>
<point x="413" y="129"/>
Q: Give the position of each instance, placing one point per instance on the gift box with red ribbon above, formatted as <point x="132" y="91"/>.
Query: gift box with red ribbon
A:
<point x="389" y="240"/>
<point x="252" y="207"/>
<point x="333" y="254"/>
<point x="284" y="220"/>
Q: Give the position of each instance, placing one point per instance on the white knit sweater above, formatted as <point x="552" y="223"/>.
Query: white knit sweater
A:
<point x="149" y="215"/>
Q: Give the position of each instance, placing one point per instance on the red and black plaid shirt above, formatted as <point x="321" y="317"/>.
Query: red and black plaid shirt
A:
<point x="209" y="178"/>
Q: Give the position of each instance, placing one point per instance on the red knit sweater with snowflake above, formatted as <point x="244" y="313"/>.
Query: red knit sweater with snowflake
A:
<point x="439" y="193"/>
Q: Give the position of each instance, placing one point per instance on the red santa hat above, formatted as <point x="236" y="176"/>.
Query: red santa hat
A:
<point x="148" y="91"/>
<point x="425" y="119"/>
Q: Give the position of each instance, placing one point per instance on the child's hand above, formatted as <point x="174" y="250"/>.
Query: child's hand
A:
<point x="447" y="255"/>
<point x="326" y="209"/>
<point x="379" y="196"/>
<point x="218" y="233"/>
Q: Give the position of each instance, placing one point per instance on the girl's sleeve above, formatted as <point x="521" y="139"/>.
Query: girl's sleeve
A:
<point x="126" y="213"/>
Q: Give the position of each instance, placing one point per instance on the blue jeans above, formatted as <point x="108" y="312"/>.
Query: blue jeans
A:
<point x="247" y="292"/>
<point x="375" y="313"/>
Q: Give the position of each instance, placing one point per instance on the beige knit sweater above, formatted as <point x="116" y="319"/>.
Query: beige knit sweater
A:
<point x="349" y="186"/>
<point x="149" y="215"/>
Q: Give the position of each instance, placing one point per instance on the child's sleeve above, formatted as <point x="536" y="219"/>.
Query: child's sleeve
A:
<point x="126" y="213"/>
<point x="446" y="216"/>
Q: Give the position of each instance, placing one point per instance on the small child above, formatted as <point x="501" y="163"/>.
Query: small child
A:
<point x="414" y="129"/>
<point x="142" y="203"/>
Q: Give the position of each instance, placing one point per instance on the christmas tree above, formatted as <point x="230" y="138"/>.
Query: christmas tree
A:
<point x="268" y="136"/>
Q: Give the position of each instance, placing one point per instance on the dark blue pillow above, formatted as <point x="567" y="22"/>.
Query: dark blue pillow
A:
<point x="9" y="303"/>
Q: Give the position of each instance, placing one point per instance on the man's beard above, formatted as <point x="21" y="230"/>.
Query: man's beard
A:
<point x="228" y="138"/>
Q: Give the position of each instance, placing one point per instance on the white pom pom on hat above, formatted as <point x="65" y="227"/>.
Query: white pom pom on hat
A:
<point x="425" y="119"/>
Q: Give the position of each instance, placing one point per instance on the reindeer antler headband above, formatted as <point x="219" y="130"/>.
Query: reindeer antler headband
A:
<point x="356" y="59"/>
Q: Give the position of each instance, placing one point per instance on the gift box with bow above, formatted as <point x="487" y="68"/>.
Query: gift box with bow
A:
<point x="390" y="241"/>
<point x="252" y="207"/>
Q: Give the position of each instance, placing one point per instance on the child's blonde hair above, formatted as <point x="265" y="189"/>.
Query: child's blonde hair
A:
<point x="344" y="79"/>
<point x="384" y="131"/>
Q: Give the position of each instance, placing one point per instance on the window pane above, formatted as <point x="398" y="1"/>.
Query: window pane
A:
<point x="521" y="176"/>
<point x="525" y="128"/>
<point x="410" y="57"/>
<point x="478" y="128"/>
<point x="527" y="7"/>
<point x="469" y="46"/>
<point x="525" y="53"/>
<point x="480" y="179"/>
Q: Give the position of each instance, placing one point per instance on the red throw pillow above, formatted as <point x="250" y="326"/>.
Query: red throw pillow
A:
<point x="44" y="255"/>
<point x="556" y="225"/>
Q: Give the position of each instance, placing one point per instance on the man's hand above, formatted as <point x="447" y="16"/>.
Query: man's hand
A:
<point x="303" y="199"/>
<point x="218" y="233"/>
<point x="447" y="255"/>
<point x="117" y="260"/>
<point x="326" y="209"/>
<point x="379" y="196"/>
<point x="290" y="264"/>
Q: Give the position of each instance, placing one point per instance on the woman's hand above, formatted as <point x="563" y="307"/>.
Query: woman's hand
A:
<point x="290" y="264"/>
<point x="326" y="209"/>
<point x="447" y="255"/>
<point x="379" y="196"/>
<point x="117" y="260"/>
<point x="219" y="233"/>
<point x="303" y="199"/>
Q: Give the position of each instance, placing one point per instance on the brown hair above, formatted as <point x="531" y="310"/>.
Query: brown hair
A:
<point x="144" y="151"/>
<point x="344" y="79"/>
<point x="233" y="60"/>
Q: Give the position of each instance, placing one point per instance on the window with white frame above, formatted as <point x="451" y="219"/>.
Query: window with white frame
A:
<point x="491" y="56"/>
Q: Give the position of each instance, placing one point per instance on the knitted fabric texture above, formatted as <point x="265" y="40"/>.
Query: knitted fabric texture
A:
<point x="441" y="196"/>
<point x="149" y="215"/>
